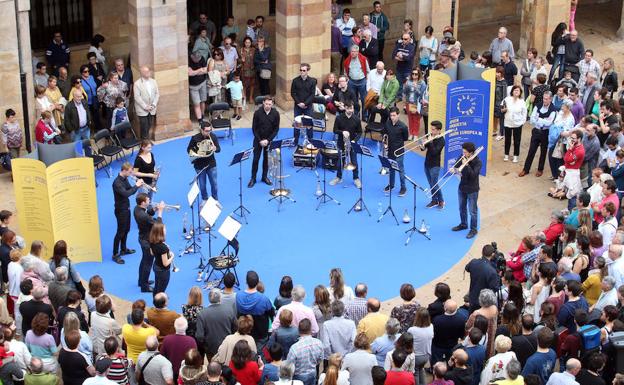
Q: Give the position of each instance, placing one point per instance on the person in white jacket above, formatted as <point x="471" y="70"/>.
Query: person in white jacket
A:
<point x="515" y="110"/>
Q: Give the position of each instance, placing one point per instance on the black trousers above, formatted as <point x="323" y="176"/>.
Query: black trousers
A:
<point x="517" y="135"/>
<point x="95" y="116"/>
<point x="381" y="43"/>
<point x="382" y="112"/>
<point x="145" y="267"/>
<point x="539" y="139"/>
<point x="265" y="88"/>
<point x="257" y="151"/>
<point x="146" y="123"/>
<point x="123" y="227"/>
<point x="340" y="162"/>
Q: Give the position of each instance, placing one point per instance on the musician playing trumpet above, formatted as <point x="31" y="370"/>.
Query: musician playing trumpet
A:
<point x="146" y="216"/>
<point x="201" y="150"/>
<point x="347" y="128"/>
<point x="469" y="167"/>
<point x="434" y="144"/>
<point x="397" y="135"/>
<point x="122" y="190"/>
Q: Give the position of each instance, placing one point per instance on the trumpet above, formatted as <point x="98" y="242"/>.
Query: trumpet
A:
<point x="349" y="165"/>
<point x="172" y="207"/>
<point x="453" y="170"/>
<point x="174" y="268"/>
<point x="384" y="153"/>
<point x="153" y="189"/>
<point x="420" y="141"/>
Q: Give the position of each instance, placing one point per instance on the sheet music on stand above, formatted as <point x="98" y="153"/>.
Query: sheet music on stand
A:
<point x="193" y="193"/>
<point x="323" y="144"/>
<point x="279" y="143"/>
<point x="241" y="156"/>
<point x="362" y="149"/>
<point x="389" y="163"/>
<point x="229" y="228"/>
<point x="308" y="121"/>
<point x="211" y="211"/>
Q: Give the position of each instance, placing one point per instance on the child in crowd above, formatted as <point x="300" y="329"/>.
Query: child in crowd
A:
<point x="559" y="191"/>
<point x="474" y="59"/>
<point x="609" y="158"/>
<point x="12" y="133"/>
<point x="236" y="91"/>
<point x="44" y="132"/>
<point x="251" y="25"/>
<point x="567" y="80"/>
<point x="120" y="113"/>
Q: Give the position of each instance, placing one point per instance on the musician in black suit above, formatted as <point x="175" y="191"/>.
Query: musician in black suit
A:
<point x="265" y="125"/>
<point x="302" y="90"/>
<point x="201" y="150"/>
<point x="122" y="190"/>
<point x="468" y="188"/>
<point x="144" y="217"/>
<point x="347" y="128"/>
<point x="397" y="133"/>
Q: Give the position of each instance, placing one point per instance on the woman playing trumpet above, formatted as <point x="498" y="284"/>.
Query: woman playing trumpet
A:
<point x="145" y="168"/>
<point x="163" y="257"/>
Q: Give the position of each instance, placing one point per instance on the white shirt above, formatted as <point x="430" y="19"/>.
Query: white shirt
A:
<point x="347" y="297"/>
<point x="21" y="352"/>
<point x="374" y="80"/>
<point x="607" y="229"/>
<point x="343" y="378"/>
<point x="607" y="298"/>
<point x="516" y="114"/>
<point x="82" y="114"/>
<point x="14" y="271"/>
<point x="616" y="268"/>
<point x="98" y="380"/>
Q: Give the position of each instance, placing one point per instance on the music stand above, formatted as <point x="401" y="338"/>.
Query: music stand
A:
<point x="423" y="229"/>
<point x="307" y="122"/>
<point x="281" y="193"/>
<point x="240" y="158"/>
<point x="228" y="229"/>
<point x="362" y="150"/>
<point x="199" y="226"/>
<point x="192" y="245"/>
<point x="324" y="197"/>
<point x="390" y="164"/>
<point x="210" y="212"/>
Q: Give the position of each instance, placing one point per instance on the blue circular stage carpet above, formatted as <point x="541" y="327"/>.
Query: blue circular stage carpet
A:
<point x="298" y="240"/>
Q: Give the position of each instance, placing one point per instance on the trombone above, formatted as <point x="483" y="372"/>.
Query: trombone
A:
<point x="463" y="161"/>
<point x="169" y="207"/>
<point x="420" y="141"/>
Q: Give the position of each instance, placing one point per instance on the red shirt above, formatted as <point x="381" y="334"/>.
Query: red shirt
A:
<point x="573" y="158"/>
<point x="41" y="128"/>
<point x="610" y="198"/>
<point x="552" y="232"/>
<point x="399" y="378"/>
<point x="249" y="375"/>
<point x="517" y="267"/>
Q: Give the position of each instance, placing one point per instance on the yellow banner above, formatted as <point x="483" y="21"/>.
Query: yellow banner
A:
<point x="490" y="76"/>
<point x="438" y="84"/>
<point x="65" y="205"/>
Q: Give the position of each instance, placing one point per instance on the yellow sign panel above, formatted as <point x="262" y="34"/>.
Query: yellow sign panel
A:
<point x="438" y="84"/>
<point x="490" y="76"/>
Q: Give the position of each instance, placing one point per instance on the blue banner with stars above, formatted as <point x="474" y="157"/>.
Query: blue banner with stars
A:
<point x="467" y="113"/>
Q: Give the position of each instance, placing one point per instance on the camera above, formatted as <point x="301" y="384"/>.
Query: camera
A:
<point x="498" y="260"/>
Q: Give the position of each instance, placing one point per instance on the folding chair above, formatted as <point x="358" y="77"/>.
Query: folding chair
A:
<point x="220" y="122"/>
<point x="98" y="160"/>
<point x="110" y="148"/>
<point x="119" y="133"/>
<point x="372" y="126"/>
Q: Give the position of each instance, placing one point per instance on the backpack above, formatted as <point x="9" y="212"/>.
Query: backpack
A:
<point x="590" y="339"/>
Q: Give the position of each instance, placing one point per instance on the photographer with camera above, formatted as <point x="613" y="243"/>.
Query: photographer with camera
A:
<point x="483" y="275"/>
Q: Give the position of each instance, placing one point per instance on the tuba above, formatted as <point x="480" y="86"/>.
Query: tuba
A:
<point x="274" y="163"/>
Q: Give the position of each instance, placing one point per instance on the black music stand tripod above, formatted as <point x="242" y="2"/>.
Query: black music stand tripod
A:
<point x="281" y="193"/>
<point x="389" y="164"/>
<point x="324" y="197"/>
<point x="423" y="229"/>
<point x="362" y="150"/>
<point x="192" y="246"/>
<point x="240" y="158"/>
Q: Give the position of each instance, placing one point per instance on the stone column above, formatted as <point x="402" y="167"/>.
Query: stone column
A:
<point x="436" y="13"/>
<point x="303" y="35"/>
<point x="539" y="19"/>
<point x="620" y="31"/>
<point x="158" y="39"/>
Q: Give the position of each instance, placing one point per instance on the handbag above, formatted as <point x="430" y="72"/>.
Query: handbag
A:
<point x="550" y="58"/>
<point x="413" y="108"/>
<point x="558" y="150"/>
<point x="141" y="377"/>
<point x="265" y="74"/>
<point x="79" y="286"/>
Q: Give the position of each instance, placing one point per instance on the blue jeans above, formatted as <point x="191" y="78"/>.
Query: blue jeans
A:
<point x="468" y="202"/>
<point x="5" y="161"/>
<point x="401" y="77"/>
<point x="359" y="90"/>
<point x="399" y="160"/>
<point x="432" y="174"/>
<point x="211" y="173"/>
<point x="559" y="61"/>
<point x="161" y="278"/>
<point x="302" y="111"/>
<point x="80" y="134"/>
<point x="306" y="378"/>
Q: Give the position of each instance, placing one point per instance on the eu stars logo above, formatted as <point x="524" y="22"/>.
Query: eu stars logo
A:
<point x="466" y="105"/>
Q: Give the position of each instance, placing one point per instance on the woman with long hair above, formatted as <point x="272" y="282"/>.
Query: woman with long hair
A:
<point x="245" y="369"/>
<point x="585" y="224"/>
<point x="338" y="290"/>
<point x="285" y="292"/>
<point x="406" y="312"/>
<point x="608" y="77"/>
<point x="422" y="332"/>
<point x="191" y="310"/>
<point x="413" y="91"/>
<point x="163" y="257"/>
<point x="262" y="64"/>
<point x="541" y="290"/>
<point x="248" y="69"/>
<point x="60" y="258"/>
<point x="515" y="110"/>
<point x="592" y="286"/>
<point x="548" y="317"/>
<point x="333" y="375"/>
<point x="145" y="167"/>
<point x="516" y="295"/>
<point x="321" y="306"/>
<point x="510" y="321"/>
<point x="557" y="41"/>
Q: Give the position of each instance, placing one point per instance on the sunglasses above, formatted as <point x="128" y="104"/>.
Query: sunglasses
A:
<point x="303" y="70"/>
<point x="414" y="73"/>
<point x="85" y="71"/>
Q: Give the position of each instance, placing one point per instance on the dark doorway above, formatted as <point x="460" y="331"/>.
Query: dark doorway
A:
<point x="216" y="10"/>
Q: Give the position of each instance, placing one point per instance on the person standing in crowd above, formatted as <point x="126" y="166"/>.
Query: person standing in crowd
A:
<point x="229" y="28"/>
<point x="90" y="88"/>
<point x="413" y="92"/>
<point x="230" y="56"/>
<point x="336" y="48"/>
<point x="433" y="156"/>
<point x="369" y="47"/>
<point x="306" y="354"/>
<point x="380" y="20"/>
<point x="40" y="77"/>
<point x="248" y="71"/>
<point x="542" y="118"/>
<point x="265" y="126"/>
<point x="608" y="77"/>
<point x="205" y="22"/>
<point x="144" y="217"/>
<point x="574" y="48"/>
<point x="197" y="71"/>
<point x="255" y="304"/>
<point x="302" y="90"/>
<point x="428" y="47"/>
<point x="342" y="95"/>
<point x="528" y="65"/>
<point x="483" y="276"/>
<point x="262" y="64"/>
<point x="152" y="367"/>
<point x="514" y="108"/>
<point x="125" y="75"/>
<point x="404" y="55"/>
<point x="63" y="82"/>
<point x="202" y="45"/>
<point x="122" y="190"/>
<point x="202" y="149"/>
<point x="146" y="97"/>
<point x="468" y="188"/>
<point x="448" y="328"/>
<point x="347" y="128"/>
<point x="108" y="94"/>
<point x="56" y="98"/>
<point x="589" y="93"/>
<point x="44" y="131"/>
<point x="259" y="29"/>
<point x="356" y="68"/>
<point x="57" y="53"/>
<point x="368" y="26"/>
<point x="346" y="24"/>
<point x="586" y="66"/>
<point x="578" y="110"/>
<point x="509" y="67"/>
<point x="95" y="69"/>
<point x="397" y="136"/>
<point x="214" y="323"/>
<point x="499" y="44"/>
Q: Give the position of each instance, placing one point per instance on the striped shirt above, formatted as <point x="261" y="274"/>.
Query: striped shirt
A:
<point x="305" y="354"/>
<point x="356" y="310"/>
<point x="118" y="371"/>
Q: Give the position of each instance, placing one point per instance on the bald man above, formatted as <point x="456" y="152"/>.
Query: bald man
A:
<point x="159" y="371"/>
<point x="77" y="118"/>
<point x="459" y="371"/>
<point x="573" y="367"/>
<point x="374" y="323"/>
<point x="448" y="328"/>
<point x="145" y="101"/>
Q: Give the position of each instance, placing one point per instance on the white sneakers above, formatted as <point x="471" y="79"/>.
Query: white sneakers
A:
<point x="515" y="159"/>
<point x="335" y="181"/>
<point x="357" y="183"/>
<point x="505" y="158"/>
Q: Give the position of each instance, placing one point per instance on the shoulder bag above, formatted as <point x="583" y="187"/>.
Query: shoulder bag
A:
<point x="79" y="286"/>
<point x="141" y="377"/>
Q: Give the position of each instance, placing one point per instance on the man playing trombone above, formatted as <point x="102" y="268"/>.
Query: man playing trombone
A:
<point x="434" y="144"/>
<point x="144" y="217"/>
<point x="397" y="133"/>
<point x="347" y="128"/>
<point x="469" y="167"/>
<point x="122" y="190"/>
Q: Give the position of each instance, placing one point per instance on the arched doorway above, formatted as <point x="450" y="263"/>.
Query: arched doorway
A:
<point x="216" y="10"/>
